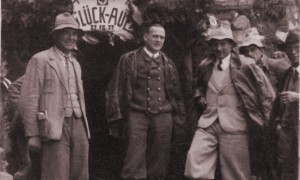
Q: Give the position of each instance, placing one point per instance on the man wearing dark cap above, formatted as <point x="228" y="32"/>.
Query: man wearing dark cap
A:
<point x="286" y="112"/>
<point x="237" y="97"/>
<point x="52" y="106"/>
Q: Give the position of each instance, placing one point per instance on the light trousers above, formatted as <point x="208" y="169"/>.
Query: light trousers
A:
<point x="212" y="143"/>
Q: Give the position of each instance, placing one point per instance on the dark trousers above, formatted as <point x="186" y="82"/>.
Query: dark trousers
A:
<point x="287" y="149"/>
<point x="148" y="151"/>
<point x="67" y="158"/>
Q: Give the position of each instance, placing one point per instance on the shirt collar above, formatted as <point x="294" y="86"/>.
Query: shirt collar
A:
<point x="62" y="56"/>
<point x="225" y="62"/>
<point x="151" y="54"/>
<point x="298" y="69"/>
<point x="263" y="62"/>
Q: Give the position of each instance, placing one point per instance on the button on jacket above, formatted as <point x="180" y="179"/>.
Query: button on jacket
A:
<point x="45" y="89"/>
<point x="148" y="93"/>
<point x="256" y="94"/>
<point x="119" y="93"/>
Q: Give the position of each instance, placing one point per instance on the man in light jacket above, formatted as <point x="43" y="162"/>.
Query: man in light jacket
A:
<point x="52" y="106"/>
<point x="238" y="99"/>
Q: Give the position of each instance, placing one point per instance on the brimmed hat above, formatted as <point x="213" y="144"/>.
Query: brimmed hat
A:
<point x="292" y="37"/>
<point x="66" y="20"/>
<point x="222" y="32"/>
<point x="250" y="39"/>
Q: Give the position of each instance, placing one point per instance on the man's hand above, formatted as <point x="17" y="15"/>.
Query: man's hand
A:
<point x="34" y="143"/>
<point x="289" y="96"/>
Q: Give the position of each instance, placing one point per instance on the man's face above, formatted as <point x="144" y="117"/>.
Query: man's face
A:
<point x="154" y="39"/>
<point x="222" y="48"/>
<point x="292" y="51"/>
<point x="253" y="52"/>
<point x="66" y="39"/>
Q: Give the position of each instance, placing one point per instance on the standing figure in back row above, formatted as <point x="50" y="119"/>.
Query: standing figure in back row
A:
<point x="285" y="114"/>
<point x="274" y="69"/>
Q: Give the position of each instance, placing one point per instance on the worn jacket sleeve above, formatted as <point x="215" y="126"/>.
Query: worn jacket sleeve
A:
<point x="265" y="91"/>
<point x="115" y="93"/>
<point x="30" y="95"/>
<point x="179" y="115"/>
<point x="204" y="72"/>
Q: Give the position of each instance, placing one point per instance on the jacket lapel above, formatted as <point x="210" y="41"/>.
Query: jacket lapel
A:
<point x="206" y="72"/>
<point x="54" y="63"/>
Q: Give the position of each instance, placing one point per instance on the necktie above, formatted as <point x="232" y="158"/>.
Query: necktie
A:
<point x="67" y="60"/>
<point x="219" y="66"/>
<point x="259" y="63"/>
<point x="296" y="74"/>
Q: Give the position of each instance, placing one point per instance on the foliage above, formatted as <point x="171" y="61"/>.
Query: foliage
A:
<point x="26" y="23"/>
<point x="25" y="28"/>
<point x="184" y="23"/>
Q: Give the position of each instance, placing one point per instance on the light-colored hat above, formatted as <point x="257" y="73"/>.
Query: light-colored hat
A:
<point x="240" y="28"/>
<point x="253" y="39"/>
<point x="223" y="31"/>
<point x="66" y="20"/>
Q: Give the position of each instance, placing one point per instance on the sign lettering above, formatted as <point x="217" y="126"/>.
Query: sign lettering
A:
<point x="102" y="15"/>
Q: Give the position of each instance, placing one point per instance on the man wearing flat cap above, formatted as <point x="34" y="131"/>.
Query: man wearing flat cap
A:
<point x="53" y="108"/>
<point x="285" y="114"/>
<point x="237" y="98"/>
<point x="253" y="47"/>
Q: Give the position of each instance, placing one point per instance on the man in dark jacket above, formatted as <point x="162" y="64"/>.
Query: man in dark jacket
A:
<point x="286" y="112"/>
<point x="238" y="97"/>
<point x="145" y="95"/>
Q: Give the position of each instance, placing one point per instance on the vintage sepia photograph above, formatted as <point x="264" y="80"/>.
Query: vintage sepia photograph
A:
<point x="149" y="90"/>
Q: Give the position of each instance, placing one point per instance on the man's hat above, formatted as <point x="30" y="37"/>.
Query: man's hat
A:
<point x="240" y="28"/>
<point x="250" y="39"/>
<point x="292" y="37"/>
<point x="66" y="20"/>
<point x="223" y="31"/>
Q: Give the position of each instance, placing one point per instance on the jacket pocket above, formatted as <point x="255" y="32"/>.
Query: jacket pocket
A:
<point x="48" y="86"/>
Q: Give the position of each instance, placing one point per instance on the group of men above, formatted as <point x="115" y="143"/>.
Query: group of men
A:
<point x="145" y="107"/>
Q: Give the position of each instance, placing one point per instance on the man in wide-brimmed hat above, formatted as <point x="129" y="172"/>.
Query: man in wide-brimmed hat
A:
<point x="286" y="112"/>
<point x="237" y="98"/>
<point x="254" y="48"/>
<point x="52" y="106"/>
